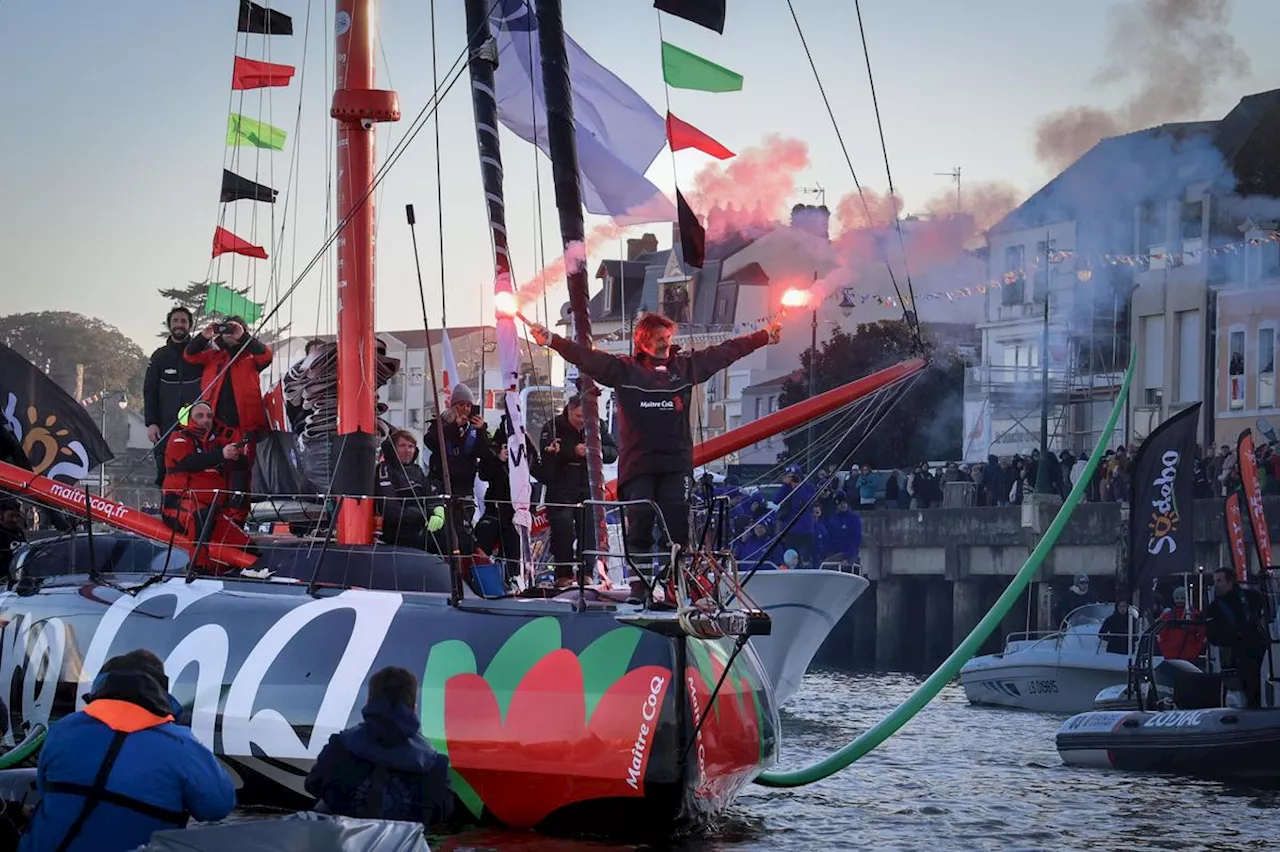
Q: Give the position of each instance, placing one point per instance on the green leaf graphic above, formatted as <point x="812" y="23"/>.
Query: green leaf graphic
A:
<point x="446" y="659"/>
<point x="466" y="793"/>
<point x="604" y="661"/>
<point x="522" y="650"/>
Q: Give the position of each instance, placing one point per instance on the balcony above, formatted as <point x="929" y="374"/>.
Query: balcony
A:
<point x="992" y="380"/>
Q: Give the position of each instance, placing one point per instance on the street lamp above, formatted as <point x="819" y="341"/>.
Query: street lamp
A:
<point x="123" y="403"/>
<point x="846" y="301"/>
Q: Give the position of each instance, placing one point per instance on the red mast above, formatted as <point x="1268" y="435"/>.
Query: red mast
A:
<point x="358" y="107"/>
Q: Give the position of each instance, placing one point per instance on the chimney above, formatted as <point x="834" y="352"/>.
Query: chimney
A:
<point x="645" y="245"/>
<point x="814" y="219"/>
<point x="675" y="234"/>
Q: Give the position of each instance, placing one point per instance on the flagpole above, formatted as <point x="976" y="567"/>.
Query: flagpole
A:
<point x="564" y="174"/>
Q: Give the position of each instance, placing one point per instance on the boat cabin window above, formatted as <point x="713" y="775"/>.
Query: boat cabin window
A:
<point x="1089" y="614"/>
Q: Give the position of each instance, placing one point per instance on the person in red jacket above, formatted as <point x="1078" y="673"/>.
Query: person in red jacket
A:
<point x="1181" y="642"/>
<point x="232" y="360"/>
<point x="195" y="458"/>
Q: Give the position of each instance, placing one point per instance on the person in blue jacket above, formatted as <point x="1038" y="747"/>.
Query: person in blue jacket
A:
<point x="384" y="768"/>
<point x="793" y="498"/>
<point x="114" y="773"/>
<point x="844" y="531"/>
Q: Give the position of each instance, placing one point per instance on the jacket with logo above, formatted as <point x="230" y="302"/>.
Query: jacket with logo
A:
<point x="653" y="398"/>
<point x="171" y="382"/>
<point x="564" y="474"/>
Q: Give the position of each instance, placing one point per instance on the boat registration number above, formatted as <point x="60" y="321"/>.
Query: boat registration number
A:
<point x="1042" y="687"/>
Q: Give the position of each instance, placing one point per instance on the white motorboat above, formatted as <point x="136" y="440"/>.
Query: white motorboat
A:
<point x="1058" y="672"/>
<point x="804" y="606"/>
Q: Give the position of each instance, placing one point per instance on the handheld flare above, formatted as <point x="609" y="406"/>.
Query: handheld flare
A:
<point x="793" y="298"/>
<point x="506" y="304"/>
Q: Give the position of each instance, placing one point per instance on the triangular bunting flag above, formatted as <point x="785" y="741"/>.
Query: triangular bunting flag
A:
<point x="245" y="131"/>
<point x="256" y="19"/>
<point x="253" y="74"/>
<point x="235" y="188"/>
<point x="684" y="70"/>
<point x="693" y="237"/>
<point x="704" y="13"/>
<point x="681" y="135"/>
<point x="225" y="242"/>
<point x="223" y="300"/>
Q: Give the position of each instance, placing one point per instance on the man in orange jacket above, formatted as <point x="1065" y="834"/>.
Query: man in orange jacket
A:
<point x="195" y="482"/>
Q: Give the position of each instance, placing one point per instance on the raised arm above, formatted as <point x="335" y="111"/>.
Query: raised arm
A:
<point x="705" y="363"/>
<point x="604" y="368"/>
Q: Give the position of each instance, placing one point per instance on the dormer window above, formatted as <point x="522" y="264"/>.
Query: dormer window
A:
<point x="608" y="294"/>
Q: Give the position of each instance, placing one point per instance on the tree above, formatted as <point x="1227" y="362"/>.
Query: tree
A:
<point x="925" y="423"/>
<point x="56" y="341"/>
<point x="192" y="297"/>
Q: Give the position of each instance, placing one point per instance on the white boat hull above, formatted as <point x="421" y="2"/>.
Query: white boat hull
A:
<point x="803" y="606"/>
<point x="1045" y="687"/>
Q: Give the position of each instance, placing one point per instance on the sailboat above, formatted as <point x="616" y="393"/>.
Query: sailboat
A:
<point x="577" y="713"/>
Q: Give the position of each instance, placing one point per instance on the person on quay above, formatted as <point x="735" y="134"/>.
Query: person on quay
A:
<point x="653" y="391"/>
<point x="112" y="774"/>
<point x="172" y="382"/>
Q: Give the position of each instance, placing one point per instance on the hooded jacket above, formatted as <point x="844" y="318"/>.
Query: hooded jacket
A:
<point x="844" y="534"/>
<point x="653" y="398"/>
<point x="159" y="776"/>
<point x="466" y="447"/>
<point x="171" y="382"/>
<point x="564" y="474"/>
<point x="387" y="748"/>
<point x="405" y="496"/>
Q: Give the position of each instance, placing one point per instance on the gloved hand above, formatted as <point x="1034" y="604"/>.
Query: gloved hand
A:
<point x="436" y="521"/>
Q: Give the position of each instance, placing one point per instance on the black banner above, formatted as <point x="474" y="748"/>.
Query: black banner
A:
<point x="704" y="13"/>
<point x="235" y="188"/>
<point x="57" y="434"/>
<point x="1161" y="507"/>
<point x="258" y="19"/>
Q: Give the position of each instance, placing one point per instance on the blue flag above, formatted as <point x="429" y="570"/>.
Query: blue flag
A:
<point x="618" y="133"/>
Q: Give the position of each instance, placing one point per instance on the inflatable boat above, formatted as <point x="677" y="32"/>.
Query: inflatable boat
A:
<point x="1218" y="743"/>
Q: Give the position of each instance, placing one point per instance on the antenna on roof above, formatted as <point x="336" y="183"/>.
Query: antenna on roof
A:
<point x="817" y="190"/>
<point x="955" y="176"/>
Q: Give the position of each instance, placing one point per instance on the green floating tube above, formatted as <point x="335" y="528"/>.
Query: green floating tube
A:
<point x="950" y="667"/>
<point x="25" y="749"/>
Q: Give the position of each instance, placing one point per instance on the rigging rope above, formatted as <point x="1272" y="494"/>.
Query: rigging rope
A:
<point x="950" y="667"/>
<point x="849" y="161"/>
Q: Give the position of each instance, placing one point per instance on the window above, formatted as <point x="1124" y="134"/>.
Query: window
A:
<point x="1264" y="259"/>
<point x="1015" y="258"/>
<point x="608" y="294"/>
<point x="1235" y="369"/>
<point x="1192" y="220"/>
<point x="415" y="417"/>
<point x="1188" y="358"/>
<point x="1153" y="352"/>
<point x="1266" y="367"/>
<point x="395" y="388"/>
<point x="1153" y="224"/>
<point x="1011" y="290"/>
<point x="759" y="407"/>
<point x="1044" y="267"/>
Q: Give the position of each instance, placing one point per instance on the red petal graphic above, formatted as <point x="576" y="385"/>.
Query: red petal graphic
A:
<point x="545" y="756"/>
<point x="729" y="742"/>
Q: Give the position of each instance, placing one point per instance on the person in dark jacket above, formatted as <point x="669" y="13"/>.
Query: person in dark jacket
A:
<point x="1115" y="629"/>
<point x="412" y="507"/>
<point x="12" y="535"/>
<point x="466" y="445"/>
<point x="121" y="769"/>
<point x="1077" y="595"/>
<point x="993" y="484"/>
<point x="171" y="382"/>
<point x="844" y="532"/>
<point x="564" y="473"/>
<point x="496" y="532"/>
<point x="384" y="768"/>
<point x="653" y="393"/>
<point x="792" y="498"/>
<point x="1236" y="622"/>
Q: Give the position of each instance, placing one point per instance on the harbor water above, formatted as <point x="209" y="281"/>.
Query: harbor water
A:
<point x="957" y="777"/>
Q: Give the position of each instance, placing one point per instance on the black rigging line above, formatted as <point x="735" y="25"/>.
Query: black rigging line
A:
<point x="902" y="243"/>
<point x="849" y="162"/>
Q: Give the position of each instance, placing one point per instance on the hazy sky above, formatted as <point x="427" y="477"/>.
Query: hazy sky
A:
<point x="117" y="116"/>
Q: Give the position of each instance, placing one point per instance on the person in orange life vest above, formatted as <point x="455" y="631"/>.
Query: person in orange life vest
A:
<point x="194" y="459"/>
<point x="1181" y="642"/>
<point x="121" y="769"/>
<point x="232" y="361"/>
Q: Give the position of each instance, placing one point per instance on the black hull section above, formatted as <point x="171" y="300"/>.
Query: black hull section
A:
<point x="552" y="718"/>
<point x="1218" y="743"/>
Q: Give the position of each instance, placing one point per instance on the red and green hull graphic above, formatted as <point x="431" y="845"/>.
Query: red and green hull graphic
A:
<point x="552" y="719"/>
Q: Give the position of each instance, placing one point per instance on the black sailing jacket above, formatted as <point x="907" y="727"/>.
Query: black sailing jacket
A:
<point x="652" y="398"/>
<point x="171" y="383"/>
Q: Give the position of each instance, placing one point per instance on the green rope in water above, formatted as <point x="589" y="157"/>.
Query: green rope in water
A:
<point x="950" y="667"/>
<point x="24" y="749"/>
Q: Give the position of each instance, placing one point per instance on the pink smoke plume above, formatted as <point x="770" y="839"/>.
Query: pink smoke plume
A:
<point x="751" y="191"/>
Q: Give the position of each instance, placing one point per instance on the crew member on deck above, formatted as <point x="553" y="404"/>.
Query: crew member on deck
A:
<point x="564" y="471"/>
<point x="412" y="507"/>
<point x="1236" y="622"/>
<point x="654" y="391"/>
<point x="232" y="361"/>
<point x="195" y="482"/>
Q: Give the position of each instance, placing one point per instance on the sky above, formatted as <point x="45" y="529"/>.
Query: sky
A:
<point x="118" y="115"/>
